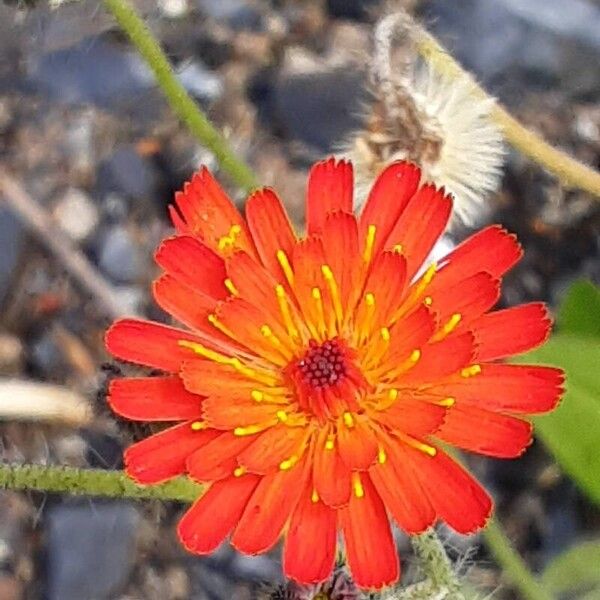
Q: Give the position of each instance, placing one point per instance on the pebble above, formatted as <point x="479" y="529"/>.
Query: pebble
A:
<point x="128" y="174"/>
<point x="120" y="256"/>
<point x="90" y="549"/>
<point x="76" y="214"/>
<point x="201" y="83"/>
<point x="11" y="355"/>
<point x="12" y="235"/>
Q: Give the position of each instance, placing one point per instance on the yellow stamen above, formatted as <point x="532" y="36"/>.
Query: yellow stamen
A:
<point x="381" y="456"/>
<point x="228" y="241"/>
<point x="239" y="471"/>
<point x="427" y="300"/>
<point x="285" y="266"/>
<point x="398" y="248"/>
<point x="471" y="371"/>
<point x="198" y="425"/>
<point x="335" y="293"/>
<point x="369" y="243"/>
<point x="359" y="490"/>
<point x="318" y="298"/>
<point x="385" y="334"/>
<point x="214" y="321"/>
<point x="415" y="356"/>
<point x="448" y="327"/>
<point x="257" y="395"/>
<point x="417" y="445"/>
<point x="330" y="443"/>
<point x="282" y="415"/>
<point x="250" y="429"/>
<point x="447" y="402"/>
<point x="393" y="394"/>
<point x="314" y="497"/>
<point x="231" y="287"/>
<point x="348" y="419"/>
<point x="285" y="311"/>
<point x="206" y="352"/>
<point x="286" y="465"/>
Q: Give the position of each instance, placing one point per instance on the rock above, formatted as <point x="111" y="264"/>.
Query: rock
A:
<point x="238" y="14"/>
<point x="76" y="214"/>
<point x="90" y="549"/>
<point x="200" y="82"/>
<point x="119" y="256"/>
<point x="357" y="10"/>
<point x="127" y="173"/>
<point x="93" y="71"/>
<point x="11" y="355"/>
<point x="256" y="568"/>
<point x="12" y="235"/>
<point x="316" y="106"/>
<point x="511" y="44"/>
<point x="46" y="357"/>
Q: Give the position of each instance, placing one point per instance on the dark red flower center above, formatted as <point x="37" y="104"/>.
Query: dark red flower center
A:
<point x="323" y="365"/>
<point x="327" y="380"/>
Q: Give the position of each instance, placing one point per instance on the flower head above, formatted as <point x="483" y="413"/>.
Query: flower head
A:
<point x="317" y="376"/>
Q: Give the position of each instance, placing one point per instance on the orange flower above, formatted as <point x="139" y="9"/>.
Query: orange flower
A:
<point x="318" y="375"/>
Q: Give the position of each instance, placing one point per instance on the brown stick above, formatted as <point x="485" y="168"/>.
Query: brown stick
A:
<point x="58" y="242"/>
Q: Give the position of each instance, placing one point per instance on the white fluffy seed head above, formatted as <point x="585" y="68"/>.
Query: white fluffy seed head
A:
<point x="437" y="122"/>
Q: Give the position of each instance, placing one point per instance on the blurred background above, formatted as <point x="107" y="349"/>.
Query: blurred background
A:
<point x="96" y="155"/>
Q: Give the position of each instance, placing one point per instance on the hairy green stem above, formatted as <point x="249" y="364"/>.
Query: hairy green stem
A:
<point x="180" y="101"/>
<point x="436" y="565"/>
<point x="512" y="564"/>
<point x="93" y="482"/>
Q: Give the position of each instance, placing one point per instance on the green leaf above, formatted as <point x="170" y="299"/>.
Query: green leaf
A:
<point x="580" y="310"/>
<point x="572" y="431"/>
<point x="576" y="570"/>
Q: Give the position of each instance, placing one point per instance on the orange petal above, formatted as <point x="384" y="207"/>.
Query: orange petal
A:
<point x="331" y="476"/>
<point x="455" y="496"/>
<point x="408" y="334"/>
<point x="389" y="196"/>
<point x="492" y="250"/>
<point x="386" y="281"/>
<point x="440" y="359"/>
<point x="193" y="264"/>
<point x="485" y="432"/>
<point x="310" y="542"/>
<point x="271" y="229"/>
<point x="246" y="322"/>
<point x="149" y="344"/>
<point x="163" y="455"/>
<point x="469" y="298"/>
<point x="411" y="416"/>
<point x="191" y="309"/>
<point x="273" y="446"/>
<point x="420" y="226"/>
<point x="357" y="444"/>
<point x="268" y="510"/>
<point x="199" y="531"/>
<point x="226" y="413"/>
<point x="510" y="331"/>
<point x="209" y="378"/>
<point x="216" y="460"/>
<point x="153" y="399"/>
<point x="508" y="388"/>
<point x="370" y="548"/>
<point x="341" y="248"/>
<point x="330" y="188"/>
<point x="210" y="215"/>
<point x="400" y="490"/>
<point x="254" y="283"/>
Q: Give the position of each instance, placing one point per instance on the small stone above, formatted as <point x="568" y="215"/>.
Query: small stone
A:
<point x="119" y="256"/>
<point x="76" y="214"/>
<point x="11" y="355"/>
<point x="200" y="82"/>
<point x="90" y="550"/>
<point x="173" y="9"/>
